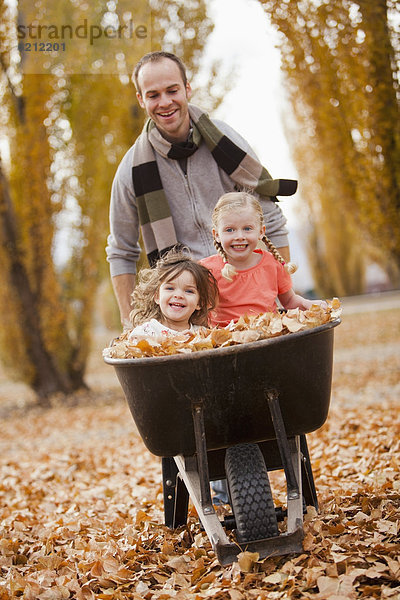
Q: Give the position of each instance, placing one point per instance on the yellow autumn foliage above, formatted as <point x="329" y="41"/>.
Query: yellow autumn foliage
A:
<point x="340" y="71"/>
<point x="67" y="128"/>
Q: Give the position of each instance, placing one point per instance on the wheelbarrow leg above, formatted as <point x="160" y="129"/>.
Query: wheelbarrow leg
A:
<point x="176" y="496"/>
<point x="309" y="491"/>
<point x="202" y="461"/>
<point x="189" y="469"/>
<point x="286" y="452"/>
<point x="295" y="502"/>
<point x="289" y="450"/>
<point x="195" y="475"/>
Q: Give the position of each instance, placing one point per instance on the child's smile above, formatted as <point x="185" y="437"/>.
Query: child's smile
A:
<point x="239" y="246"/>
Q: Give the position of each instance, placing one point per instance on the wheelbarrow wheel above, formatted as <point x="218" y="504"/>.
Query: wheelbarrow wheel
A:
<point x="250" y="493"/>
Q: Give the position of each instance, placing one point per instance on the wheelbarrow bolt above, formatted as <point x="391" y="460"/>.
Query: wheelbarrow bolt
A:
<point x="293" y="495"/>
<point x="208" y="510"/>
<point x="168" y="483"/>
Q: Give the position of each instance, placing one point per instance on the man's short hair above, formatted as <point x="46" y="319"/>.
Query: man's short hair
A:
<point x="155" y="57"/>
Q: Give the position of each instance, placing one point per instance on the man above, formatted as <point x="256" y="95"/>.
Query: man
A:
<point x="171" y="178"/>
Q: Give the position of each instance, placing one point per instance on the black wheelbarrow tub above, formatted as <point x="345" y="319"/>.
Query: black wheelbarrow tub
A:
<point x="232" y="383"/>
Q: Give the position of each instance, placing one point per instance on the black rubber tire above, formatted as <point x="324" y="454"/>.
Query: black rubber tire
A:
<point x="250" y="493"/>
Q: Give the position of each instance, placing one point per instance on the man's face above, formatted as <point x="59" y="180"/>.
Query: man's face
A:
<point x="165" y="98"/>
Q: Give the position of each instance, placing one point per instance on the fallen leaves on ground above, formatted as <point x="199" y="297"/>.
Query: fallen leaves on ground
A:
<point x="81" y="505"/>
<point x="246" y="329"/>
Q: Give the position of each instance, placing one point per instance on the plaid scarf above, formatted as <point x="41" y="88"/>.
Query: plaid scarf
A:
<point x="155" y="219"/>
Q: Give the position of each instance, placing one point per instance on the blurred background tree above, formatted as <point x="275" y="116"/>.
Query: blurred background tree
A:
<point x="341" y="69"/>
<point x="67" y="128"/>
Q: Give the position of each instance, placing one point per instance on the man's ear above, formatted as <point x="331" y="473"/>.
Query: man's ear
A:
<point x="188" y="90"/>
<point x="140" y="99"/>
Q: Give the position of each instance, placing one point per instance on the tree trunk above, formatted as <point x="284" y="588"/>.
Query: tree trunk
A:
<point x="48" y="378"/>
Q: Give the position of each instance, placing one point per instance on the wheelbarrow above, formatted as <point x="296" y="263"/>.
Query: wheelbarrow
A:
<point x="235" y="413"/>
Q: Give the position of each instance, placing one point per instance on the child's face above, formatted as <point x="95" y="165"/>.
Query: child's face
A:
<point x="178" y="298"/>
<point x="239" y="233"/>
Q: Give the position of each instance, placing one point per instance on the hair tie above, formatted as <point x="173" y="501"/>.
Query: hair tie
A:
<point x="228" y="271"/>
<point x="290" y="267"/>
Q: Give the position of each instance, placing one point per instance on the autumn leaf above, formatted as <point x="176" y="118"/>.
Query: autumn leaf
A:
<point x="247" y="560"/>
<point x="220" y="336"/>
<point x="245" y="336"/>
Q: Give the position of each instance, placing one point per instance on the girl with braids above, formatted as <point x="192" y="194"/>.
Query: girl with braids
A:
<point x="176" y="295"/>
<point x="249" y="279"/>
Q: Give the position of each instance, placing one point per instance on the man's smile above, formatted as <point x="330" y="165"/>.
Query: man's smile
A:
<point x="166" y="115"/>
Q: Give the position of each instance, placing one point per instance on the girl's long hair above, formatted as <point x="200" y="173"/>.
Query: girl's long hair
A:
<point x="170" y="266"/>
<point x="237" y="201"/>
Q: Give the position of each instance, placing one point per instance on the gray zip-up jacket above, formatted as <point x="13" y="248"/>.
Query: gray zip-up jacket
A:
<point x="191" y="197"/>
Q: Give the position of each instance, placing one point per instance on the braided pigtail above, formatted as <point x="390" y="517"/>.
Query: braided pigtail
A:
<point x="289" y="267"/>
<point x="228" y="271"/>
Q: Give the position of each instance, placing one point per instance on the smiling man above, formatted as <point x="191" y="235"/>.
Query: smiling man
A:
<point x="169" y="181"/>
<point x="164" y="95"/>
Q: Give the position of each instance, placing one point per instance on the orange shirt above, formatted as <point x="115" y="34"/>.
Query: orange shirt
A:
<point x="252" y="291"/>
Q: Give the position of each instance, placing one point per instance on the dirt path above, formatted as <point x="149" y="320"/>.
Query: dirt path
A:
<point x="367" y="350"/>
<point x="371" y="302"/>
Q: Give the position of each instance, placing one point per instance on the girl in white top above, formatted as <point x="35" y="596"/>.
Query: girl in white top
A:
<point x="175" y="296"/>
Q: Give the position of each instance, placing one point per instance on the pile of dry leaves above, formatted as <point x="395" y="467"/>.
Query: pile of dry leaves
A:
<point x="81" y="500"/>
<point x="246" y="329"/>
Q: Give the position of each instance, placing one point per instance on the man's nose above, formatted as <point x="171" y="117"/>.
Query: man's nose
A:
<point x="165" y="100"/>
